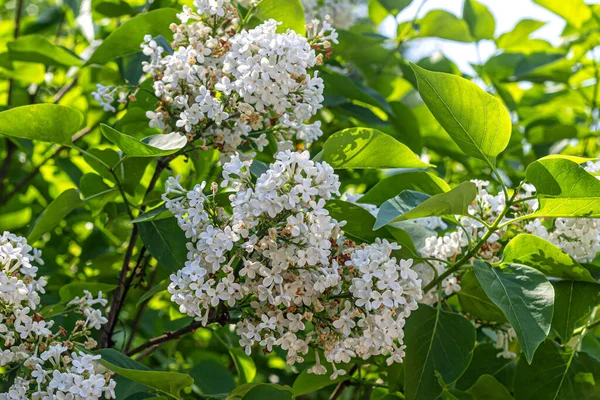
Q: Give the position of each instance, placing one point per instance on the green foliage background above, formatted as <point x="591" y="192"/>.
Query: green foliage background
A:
<point x="60" y="187"/>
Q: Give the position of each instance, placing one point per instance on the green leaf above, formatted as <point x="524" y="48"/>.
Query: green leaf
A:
<point x="479" y="19"/>
<point x="289" y="12"/>
<point x="477" y="121"/>
<point x="405" y="126"/>
<point x="56" y="211"/>
<point x="165" y="241"/>
<point x="488" y="388"/>
<point x="542" y="255"/>
<point x="159" y="212"/>
<point x="340" y="85"/>
<point x="45" y="122"/>
<point x="395" y="6"/>
<point x="419" y="181"/>
<point x="437" y="342"/>
<point x="359" y="226"/>
<point x="35" y="48"/>
<point x="525" y="297"/>
<point x="573" y="302"/>
<point x="575" y="12"/>
<point x="307" y="383"/>
<point x="244" y="364"/>
<point x="126" y="39"/>
<point x="95" y="192"/>
<point x="519" y="34"/>
<point x="161" y="287"/>
<point x="558" y="374"/>
<point x="564" y="188"/>
<point x="167" y="382"/>
<point x="486" y="361"/>
<point x="442" y="24"/>
<point x="212" y="377"/>
<point x="112" y="8"/>
<point x="368" y="148"/>
<point x="254" y="391"/>
<point x="151" y="146"/>
<point x="75" y="289"/>
<point x="410" y="205"/>
<point x="474" y="301"/>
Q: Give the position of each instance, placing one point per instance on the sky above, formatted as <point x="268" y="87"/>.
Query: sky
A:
<point x="506" y="12"/>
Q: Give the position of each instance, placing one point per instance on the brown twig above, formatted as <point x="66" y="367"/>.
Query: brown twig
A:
<point x="122" y="286"/>
<point x="64" y="90"/>
<point x="140" y="311"/>
<point x="172" y="335"/>
<point x="10" y="146"/>
<point x="339" y="389"/>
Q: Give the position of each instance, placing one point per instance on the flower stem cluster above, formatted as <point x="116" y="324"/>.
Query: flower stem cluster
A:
<point x="43" y="364"/>
<point x="280" y="259"/>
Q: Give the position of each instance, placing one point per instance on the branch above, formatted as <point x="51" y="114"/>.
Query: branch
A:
<point x="10" y="146"/>
<point x="339" y="389"/>
<point x="158" y="341"/>
<point x="123" y="284"/>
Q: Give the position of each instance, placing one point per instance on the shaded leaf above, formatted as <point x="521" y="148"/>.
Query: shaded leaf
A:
<point x="151" y="146"/>
<point x="542" y="255"/>
<point x="525" y="297"/>
<point x="437" y="342"/>
<point x="167" y="382"/>
<point x="56" y="211"/>
<point x="165" y="241"/>
<point x="126" y="39"/>
<point x="368" y="148"/>
<point x="559" y="374"/>
<point x="573" y="302"/>
<point x="410" y="204"/>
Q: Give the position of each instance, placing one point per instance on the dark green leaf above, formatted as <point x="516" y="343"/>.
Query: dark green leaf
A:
<point x="486" y="361"/>
<point x="71" y="290"/>
<point x="437" y="342"/>
<point x="410" y="205"/>
<point x="474" y="301"/>
<point x="525" y="297"/>
<point x="573" y="301"/>
<point x="488" y="388"/>
<point x="212" y="377"/>
<point x="165" y="241"/>
<point x="167" y="382"/>
<point x="126" y="39"/>
<point x="558" y="374"/>
<point x="419" y="181"/>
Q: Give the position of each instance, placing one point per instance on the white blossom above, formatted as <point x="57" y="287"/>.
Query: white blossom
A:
<point x="281" y="260"/>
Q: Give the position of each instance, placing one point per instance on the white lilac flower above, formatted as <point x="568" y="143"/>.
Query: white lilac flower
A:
<point x="281" y="259"/>
<point x="235" y="87"/>
<point x="51" y="370"/>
